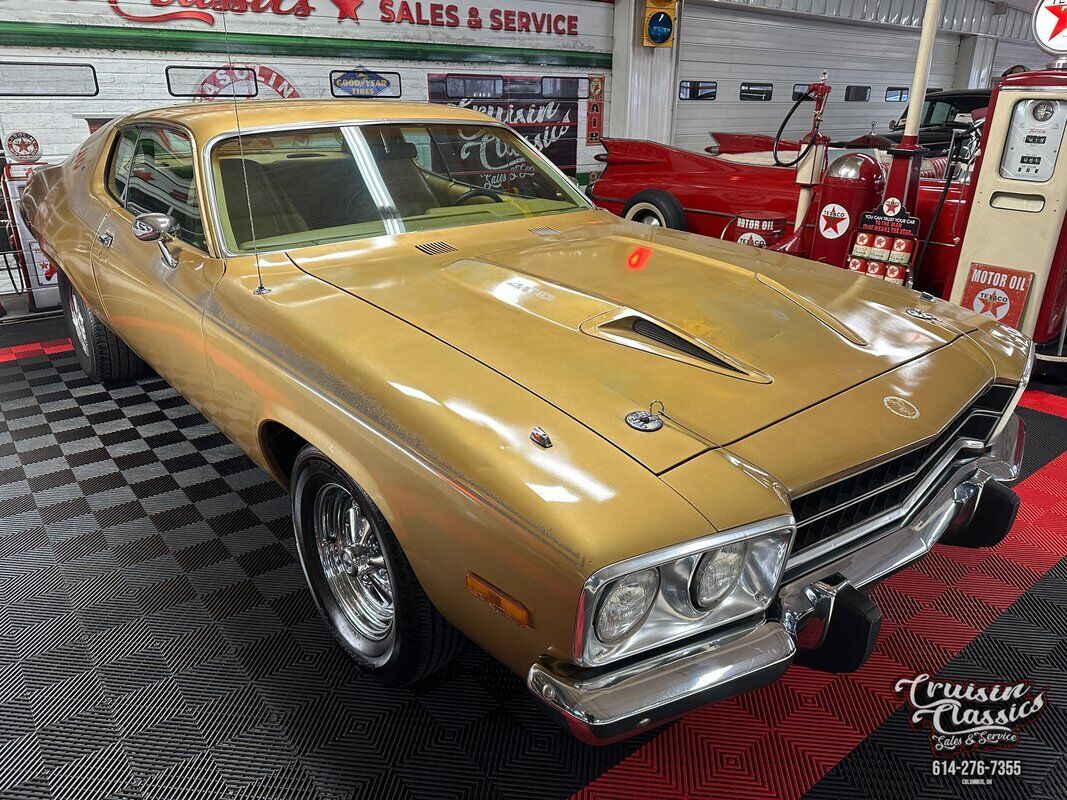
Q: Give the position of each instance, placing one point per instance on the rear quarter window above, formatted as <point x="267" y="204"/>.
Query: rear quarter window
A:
<point x="119" y="163"/>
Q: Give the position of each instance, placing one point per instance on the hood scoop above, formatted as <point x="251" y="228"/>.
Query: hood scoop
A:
<point x="641" y="332"/>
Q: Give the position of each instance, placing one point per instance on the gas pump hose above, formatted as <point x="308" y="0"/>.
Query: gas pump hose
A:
<point x="781" y="129"/>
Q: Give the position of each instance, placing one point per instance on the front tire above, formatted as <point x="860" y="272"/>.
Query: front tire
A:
<point x="103" y="355"/>
<point x="361" y="580"/>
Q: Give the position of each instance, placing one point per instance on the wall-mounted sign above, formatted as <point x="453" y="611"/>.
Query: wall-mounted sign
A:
<point x="474" y="16"/>
<point x="594" y="110"/>
<point x="551" y="126"/>
<point x="244" y="80"/>
<point x="22" y="147"/>
<point x="163" y="10"/>
<point x="1050" y="26"/>
<point x="364" y="83"/>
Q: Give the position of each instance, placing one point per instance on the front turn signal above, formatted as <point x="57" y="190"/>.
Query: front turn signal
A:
<point x="500" y="600"/>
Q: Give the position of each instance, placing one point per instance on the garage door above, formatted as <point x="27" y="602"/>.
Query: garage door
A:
<point x="1011" y="53"/>
<point x="739" y="49"/>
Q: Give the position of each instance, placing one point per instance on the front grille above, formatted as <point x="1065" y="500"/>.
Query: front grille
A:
<point x="833" y="509"/>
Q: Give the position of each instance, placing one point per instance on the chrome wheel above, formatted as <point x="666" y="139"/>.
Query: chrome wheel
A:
<point x="354" y="566"/>
<point x="648" y="218"/>
<point x="77" y="318"/>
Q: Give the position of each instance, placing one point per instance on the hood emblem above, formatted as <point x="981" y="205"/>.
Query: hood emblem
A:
<point x="539" y="437"/>
<point x="901" y="407"/>
<point x="647" y="421"/>
<point x="918" y="313"/>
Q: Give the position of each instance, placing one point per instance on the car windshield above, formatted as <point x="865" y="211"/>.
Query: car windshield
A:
<point x="937" y="112"/>
<point x="302" y="187"/>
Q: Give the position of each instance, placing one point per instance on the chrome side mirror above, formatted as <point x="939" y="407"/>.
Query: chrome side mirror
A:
<point x="153" y="227"/>
<point x="158" y="228"/>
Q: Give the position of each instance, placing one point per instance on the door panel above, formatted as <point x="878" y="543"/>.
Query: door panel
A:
<point x="158" y="309"/>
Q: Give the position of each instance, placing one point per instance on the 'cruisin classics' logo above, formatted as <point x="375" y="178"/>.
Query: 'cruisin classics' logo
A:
<point x="968" y="716"/>
<point x="205" y="11"/>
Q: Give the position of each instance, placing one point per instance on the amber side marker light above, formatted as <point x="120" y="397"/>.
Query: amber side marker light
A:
<point x="501" y="601"/>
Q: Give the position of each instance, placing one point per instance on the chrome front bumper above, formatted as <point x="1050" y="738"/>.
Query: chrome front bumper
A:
<point x="607" y="704"/>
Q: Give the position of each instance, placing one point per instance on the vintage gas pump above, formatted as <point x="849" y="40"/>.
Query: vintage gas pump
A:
<point x="1013" y="258"/>
<point x="810" y="162"/>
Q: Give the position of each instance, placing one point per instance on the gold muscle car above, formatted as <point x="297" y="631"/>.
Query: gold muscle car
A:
<point x="644" y="469"/>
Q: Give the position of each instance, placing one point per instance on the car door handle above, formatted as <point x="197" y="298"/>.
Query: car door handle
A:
<point x="106" y="240"/>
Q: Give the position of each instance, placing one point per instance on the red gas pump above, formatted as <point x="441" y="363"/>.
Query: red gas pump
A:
<point x="810" y="162"/>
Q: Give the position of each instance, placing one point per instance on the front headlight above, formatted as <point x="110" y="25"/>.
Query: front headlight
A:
<point x="670" y="594"/>
<point x="625" y="604"/>
<point x="717" y="573"/>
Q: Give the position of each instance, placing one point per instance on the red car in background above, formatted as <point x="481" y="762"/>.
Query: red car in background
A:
<point x="704" y="193"/>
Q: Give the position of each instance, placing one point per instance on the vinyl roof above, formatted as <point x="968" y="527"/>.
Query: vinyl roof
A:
<point x="207" y="120"/>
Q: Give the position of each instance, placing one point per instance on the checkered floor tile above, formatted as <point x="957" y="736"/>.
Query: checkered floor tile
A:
<point x="157" y="641"/>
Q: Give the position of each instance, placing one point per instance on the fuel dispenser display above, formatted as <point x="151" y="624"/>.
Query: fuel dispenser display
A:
<point x="1034" y="140"/>
<point x="1013" y="257"/>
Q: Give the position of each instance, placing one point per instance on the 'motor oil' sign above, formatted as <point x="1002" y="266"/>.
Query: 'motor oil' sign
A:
<point x="997" y="292"/>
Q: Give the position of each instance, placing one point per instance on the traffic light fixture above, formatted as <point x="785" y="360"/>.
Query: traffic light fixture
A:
<point x="660" y="18"/>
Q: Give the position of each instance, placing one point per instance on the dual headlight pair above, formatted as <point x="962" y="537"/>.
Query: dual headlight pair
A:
<point x="629" y="598"/>
<point x="657" y="598"/>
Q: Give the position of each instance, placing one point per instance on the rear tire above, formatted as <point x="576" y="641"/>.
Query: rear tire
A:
<point x="350" y="555"/>
<point x="657" y="208"/>
<point x="103" y="355"/>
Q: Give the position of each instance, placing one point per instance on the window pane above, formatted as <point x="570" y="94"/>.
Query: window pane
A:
<point x="565" y="88"/>
<point x="857" y="94"/>
<point x="163" y="181"/>
<point x="756" y="91"/>
<point x="297" y="181"/>
<point x="896" y="94"/>
<point x="458" y="87"/>
<point x="221" y="81"/>
<point x="938" y="112"/>
<point x="339" y="184"/>
<point x="36" y="79"/>
<point x="698" y="90"/>
<point x="365" y="84"/>
<point x="799" y="90"/>
<point x="121" y="160"/>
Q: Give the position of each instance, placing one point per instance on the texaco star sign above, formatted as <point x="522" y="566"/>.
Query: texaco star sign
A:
<point x="1050" y="26"/>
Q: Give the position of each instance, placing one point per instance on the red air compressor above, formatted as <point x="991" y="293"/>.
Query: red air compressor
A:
<point x="853" y="185"/>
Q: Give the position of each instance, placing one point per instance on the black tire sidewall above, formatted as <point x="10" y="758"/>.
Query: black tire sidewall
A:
<point x="311" y="471"/>
<point x="86" y="357"/>
<point x="666" y="204"/>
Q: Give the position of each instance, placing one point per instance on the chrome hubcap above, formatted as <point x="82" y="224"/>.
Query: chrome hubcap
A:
<point x="648" y="218"/>
<point x="352" y="560"/>
<point x="78" y="318"/>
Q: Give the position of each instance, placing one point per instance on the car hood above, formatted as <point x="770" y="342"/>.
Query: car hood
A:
<point x="602" y="318"/>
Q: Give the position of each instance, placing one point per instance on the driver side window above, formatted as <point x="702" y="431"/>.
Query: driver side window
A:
<point x="162" y="180"/>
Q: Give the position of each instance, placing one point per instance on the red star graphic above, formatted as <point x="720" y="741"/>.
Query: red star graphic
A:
<point x="990" y="305"/>
<point x="830" y="223"/>
<point x="891" y="206"/>
<point x="346" y="9"/>
<point x="1060" y="12"/>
